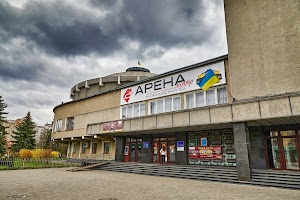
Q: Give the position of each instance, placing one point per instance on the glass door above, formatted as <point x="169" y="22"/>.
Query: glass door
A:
<point x="290" y="153"/>
<point x="132" y="152"/>
<point x="283" y="150"/>
<point x="171" y="152"/>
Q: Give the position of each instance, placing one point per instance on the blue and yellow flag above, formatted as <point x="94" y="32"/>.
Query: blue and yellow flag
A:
<point x="207" y="79"/>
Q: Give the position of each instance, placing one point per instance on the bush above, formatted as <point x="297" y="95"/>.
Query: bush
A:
<point x="47" y="153"/>
<point x="38" y="153"/>
<point x="25" y="153"/>
<point x="54" y="154"/>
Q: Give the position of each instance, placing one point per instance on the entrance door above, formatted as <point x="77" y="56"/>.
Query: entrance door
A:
<point x="169" y="145"/>
<point x="283" y="150"/>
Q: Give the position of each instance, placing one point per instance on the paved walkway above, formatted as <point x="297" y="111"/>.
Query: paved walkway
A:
<point x="102" y="185"/>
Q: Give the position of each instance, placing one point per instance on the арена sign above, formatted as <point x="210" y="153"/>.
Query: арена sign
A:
<point x="169" y="85"/>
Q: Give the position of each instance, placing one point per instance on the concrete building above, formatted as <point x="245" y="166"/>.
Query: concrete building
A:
<point x="250" y="119"/>
<point x="93" y="101"/>
<point x="11" y="127"/>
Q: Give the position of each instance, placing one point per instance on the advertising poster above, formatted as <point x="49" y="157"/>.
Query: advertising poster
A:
<point x="114" y="126"/>
<point x="214" y="153"/>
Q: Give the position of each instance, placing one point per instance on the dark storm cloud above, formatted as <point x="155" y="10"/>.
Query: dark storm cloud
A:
<point x="59" y="29"/>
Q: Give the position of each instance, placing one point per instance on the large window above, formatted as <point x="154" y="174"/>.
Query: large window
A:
<point x="206" y="98"/>
<point x="133" y="110"/>
<point x="58" y="125"/>
<point x="69" y="123"/>
<point x="164" y="105"/>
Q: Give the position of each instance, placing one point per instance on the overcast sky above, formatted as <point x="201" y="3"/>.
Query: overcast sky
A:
<point x="47" y="46"/>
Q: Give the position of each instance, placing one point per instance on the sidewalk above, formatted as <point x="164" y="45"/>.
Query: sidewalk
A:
<point x="57" y="183"/>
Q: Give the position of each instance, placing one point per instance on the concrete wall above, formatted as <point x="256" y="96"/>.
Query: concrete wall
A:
<point x="93" y="110"/>
<point x="257" y="148"/>
<point x="263" y="46"/>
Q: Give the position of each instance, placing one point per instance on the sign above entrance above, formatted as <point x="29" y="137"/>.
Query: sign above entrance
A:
<point x="114" y="126"/>
<point x="169" y="85"/>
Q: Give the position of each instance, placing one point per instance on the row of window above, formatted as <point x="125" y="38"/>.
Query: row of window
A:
<point x="169" y="104"/>
<point x="69" y="124"/>
<point x="162" y="105"/>
<point x="84" y="146"/>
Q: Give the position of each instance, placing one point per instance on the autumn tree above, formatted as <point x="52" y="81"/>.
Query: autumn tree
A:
<point x="3" y="131"/>
<point x="25" y="134"/>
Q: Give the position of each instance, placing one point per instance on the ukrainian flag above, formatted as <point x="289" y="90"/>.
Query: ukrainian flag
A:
<point x="208" y="80"/>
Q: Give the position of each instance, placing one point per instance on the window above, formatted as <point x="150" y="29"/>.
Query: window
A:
<point x="58" y="125"/>
<point x="210" y="97"/>
<point x="222" y="95"/>
<point x="83" y="146"/>
<point x="160" y="105"/>
<point x="69" y="123"/>
<point x="164" y="105"/>
<point x="133" y="110"/>
<point x="94" y="148"/>
<point x="190" y="101"/>
<point x="106" y="146"/>
<point x="206" y="98"/>
<point x="200" y="99"/>
<point x="168" y="104"/>
<point x="176" y="103"/>
<point x="74" y="148"/>
<point x="152" y="107"/>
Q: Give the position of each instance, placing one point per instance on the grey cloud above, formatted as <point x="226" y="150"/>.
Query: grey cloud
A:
<point x="61" y="29"/>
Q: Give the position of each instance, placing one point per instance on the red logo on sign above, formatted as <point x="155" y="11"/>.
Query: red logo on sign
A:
<point x="127" y="94"/>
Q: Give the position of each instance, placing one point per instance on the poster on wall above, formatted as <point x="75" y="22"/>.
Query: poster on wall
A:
<point x="180" y="145"/>
<point x="214" y="153"/>
<point x="145" y="145"/>
<point x="174" y="84"/>
<point x="204" y="141"/>
<point x="114" y="126"/>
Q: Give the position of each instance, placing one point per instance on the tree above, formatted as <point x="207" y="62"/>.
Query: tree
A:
<point x="3" y="131"/>
<point x="45" y="140"/>
<point x="24" y="134"/>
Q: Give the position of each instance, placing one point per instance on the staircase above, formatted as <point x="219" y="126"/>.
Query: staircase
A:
<point x="273" y="178"/>
<point x="211" y="173"/>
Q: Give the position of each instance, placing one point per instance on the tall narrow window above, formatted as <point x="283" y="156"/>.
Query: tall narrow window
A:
<point x="190" y="101"/>
<point x="106" y="147"/>
<point x="70" y="123"/>
<point x="210" y="97"/>
<point x="160" y="105"/>
<point x="153" y="107"/>
<point x="200" y="99"/>
<point x="222" y="95"/>
<point x="129" y="111"/>
<point x="176" y="103"/>
<point x="124" y="112"/>
<point x="142" y="109"/>
<point x="94" y="148"/>
<point x="136" y="110"/>
<point x="168" y="104"/>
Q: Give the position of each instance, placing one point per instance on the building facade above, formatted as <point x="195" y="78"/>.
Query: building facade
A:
<point x="250" y="119"/>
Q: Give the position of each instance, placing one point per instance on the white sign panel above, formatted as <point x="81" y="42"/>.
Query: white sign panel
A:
<point x="169" y="85"/>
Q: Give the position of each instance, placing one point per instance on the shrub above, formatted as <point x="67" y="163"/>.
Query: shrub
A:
<point x="47" y="153"/>
<point x="38" y="153"/>
<point x="54" y="154"/>
<point x="25" y="153"/>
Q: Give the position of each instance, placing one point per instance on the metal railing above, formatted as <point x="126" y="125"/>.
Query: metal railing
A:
<point x="31" y="163"/>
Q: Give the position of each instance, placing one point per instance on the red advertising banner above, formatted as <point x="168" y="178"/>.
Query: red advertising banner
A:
<point x="214" y="153"/>
<point x="114" y="126"/>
